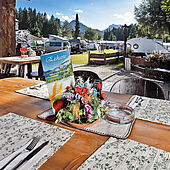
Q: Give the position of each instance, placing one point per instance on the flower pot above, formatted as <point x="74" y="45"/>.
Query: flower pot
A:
<point x="83" y="125"/>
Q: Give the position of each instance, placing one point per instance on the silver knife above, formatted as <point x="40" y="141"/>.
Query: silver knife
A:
<point x="30" y="155"/>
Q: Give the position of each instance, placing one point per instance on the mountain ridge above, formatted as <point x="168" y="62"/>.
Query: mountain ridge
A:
<point x="83" y="27"/>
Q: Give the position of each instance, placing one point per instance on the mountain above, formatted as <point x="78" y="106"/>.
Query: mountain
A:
<point x="83" y="27"/>
<point x="113" y="26"/>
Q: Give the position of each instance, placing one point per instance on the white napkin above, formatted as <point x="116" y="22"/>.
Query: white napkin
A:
<point x="132" y="102"/>
<point x="28" y="164"/>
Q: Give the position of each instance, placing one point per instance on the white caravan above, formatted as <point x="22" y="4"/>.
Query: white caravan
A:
<point x="143" y="45"/>
<point x="56" y="43"/>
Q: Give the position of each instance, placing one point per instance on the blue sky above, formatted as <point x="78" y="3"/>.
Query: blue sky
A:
<point x="97" y="14"/>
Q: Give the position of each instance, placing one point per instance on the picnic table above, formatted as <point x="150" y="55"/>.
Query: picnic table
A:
<point x="21" y="62"/>
<point x="81" y="144"/>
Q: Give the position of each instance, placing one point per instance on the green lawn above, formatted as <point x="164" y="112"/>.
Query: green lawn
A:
<point x="79" y="58"/>
<point x="83" y="58"/>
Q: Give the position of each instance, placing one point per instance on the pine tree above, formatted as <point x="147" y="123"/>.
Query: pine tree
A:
<point x="45" y="29"/>
<point x="77" y="27"/>
<point x="24" y="20"/>
<point x="67" y="30"/>
<point x="52" y="26"/>
<point x="132" y="31"/>
<point x="112" y="37"/>
<point x="40" y="22"/>
<point x="58" y="27"/>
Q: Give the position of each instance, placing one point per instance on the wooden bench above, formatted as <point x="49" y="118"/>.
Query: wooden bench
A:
<point x="109" y="58"/>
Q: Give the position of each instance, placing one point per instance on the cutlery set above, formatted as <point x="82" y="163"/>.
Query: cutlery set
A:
<point x="136" y="102"/>
<point x="29" y="148"/>
<point x="139" y="101"/>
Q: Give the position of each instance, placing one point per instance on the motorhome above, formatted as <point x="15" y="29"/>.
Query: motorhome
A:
<point x="93" y="46"/>
<point x="110" y="44"/>
<point x="56" y="43"/>
<point x="78" y="46"/>
<point x="143" y="45"/>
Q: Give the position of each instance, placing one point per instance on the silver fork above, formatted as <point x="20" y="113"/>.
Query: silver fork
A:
<point x="27" y="149"/>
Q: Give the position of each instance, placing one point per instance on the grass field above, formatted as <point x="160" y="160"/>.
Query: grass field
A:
<point x="79" y="58"/>
<point x="83" y="58"/>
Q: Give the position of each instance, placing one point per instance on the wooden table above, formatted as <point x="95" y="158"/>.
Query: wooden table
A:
<point x="82" y="144"/>
<point x="21" y="62"/>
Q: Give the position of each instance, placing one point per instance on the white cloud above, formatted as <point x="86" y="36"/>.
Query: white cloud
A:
<point x="78" y="11"/>
<point x="126" y="18"/>
<point x="57" y="13"/>
<point x="67" y="18"/>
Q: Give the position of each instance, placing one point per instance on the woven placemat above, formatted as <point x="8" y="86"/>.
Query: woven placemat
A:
<point x="127" y="154"/>
<point x="108" y="128"/>
<point x="17" y="130"/>
<point x="102" y="127"/>
<point x="153" y="110"/>
<point x="39" y="91"/>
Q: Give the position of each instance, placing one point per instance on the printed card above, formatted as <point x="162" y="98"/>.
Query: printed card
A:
<point x="58" y="73"/>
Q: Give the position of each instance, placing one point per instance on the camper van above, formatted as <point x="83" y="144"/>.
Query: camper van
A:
<point x="92" y="46"/>
<point x="78" y="46"/>
<point x="143" y="45"/>
<point x="56" y="43"/>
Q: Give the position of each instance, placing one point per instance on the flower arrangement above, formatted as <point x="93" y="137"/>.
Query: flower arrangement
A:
<point x="83" y="103"/>
<point x="156" y="58"/>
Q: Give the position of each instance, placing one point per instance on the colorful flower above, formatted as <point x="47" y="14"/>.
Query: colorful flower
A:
<point x="103" y="95"/>
<point x="67" y="87"/>
<point x="83" y="103"/>
<point x="88" y="109"/>
<point x="99" y="86"/>
<point x="84" y="100"/>
<point x="90" y="116"/>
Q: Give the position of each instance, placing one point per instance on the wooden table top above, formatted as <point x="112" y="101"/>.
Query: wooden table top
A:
<point x="19" y="60"/>
<point x="82" y="144"/>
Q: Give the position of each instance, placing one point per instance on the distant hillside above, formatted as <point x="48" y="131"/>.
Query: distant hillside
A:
<point x="83" y="27"/>
<point x="113" y="26"/>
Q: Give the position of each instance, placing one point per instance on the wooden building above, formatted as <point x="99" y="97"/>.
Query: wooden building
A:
<point x="7" y="27"/>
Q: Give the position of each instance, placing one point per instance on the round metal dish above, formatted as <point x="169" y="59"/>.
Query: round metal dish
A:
<point x="121" y="114"/>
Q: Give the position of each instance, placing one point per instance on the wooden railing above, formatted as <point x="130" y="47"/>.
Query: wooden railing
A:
<point x="150" y="69"/>
<point x="109" y="58"/>
<point x="143" y="62"/>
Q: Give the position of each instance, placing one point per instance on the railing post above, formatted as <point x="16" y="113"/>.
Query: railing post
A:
<point x="89" y="57"/>
<point x="117" y="57"/>
<point x="104" y="58"/>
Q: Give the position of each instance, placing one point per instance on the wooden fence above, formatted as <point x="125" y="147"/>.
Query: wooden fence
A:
<point x="109" y="58"/>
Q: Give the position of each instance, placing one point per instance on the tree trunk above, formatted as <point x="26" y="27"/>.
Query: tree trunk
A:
<point x="7" y="27"/>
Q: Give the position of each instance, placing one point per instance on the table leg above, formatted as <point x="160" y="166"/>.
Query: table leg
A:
<point x="7" y="68"/>
<point x="21" y="70"/>
<point x="29" y="70"/>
